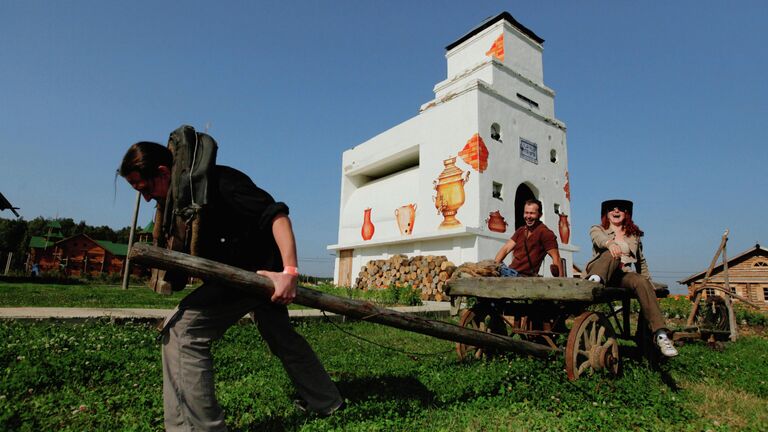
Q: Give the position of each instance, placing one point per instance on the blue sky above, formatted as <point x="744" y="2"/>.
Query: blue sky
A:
<point x="665" y="104"/>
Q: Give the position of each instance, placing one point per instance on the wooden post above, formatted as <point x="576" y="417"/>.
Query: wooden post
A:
<point x="227" y="275"/>
<point x="8" y="263"/>
<point x="127" y="266"/>
<point x="697" y="294"/>
<point x="733" y="327"/>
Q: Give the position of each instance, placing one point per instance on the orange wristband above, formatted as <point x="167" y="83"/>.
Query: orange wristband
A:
<point x="291" y="270"/>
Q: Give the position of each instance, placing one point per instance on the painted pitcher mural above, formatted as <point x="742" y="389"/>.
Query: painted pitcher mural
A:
<point x="368" y="228"/>
<point x="496" y="222"/>
<point x="564" y="228"/>
<point x="450" y="193"/>
<point x="405" y="216"/>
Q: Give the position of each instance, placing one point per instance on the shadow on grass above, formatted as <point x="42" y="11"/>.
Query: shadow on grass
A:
<point x="386" y="388"/>
<point x="653" y="359"/>
<point x="367" y="398"/>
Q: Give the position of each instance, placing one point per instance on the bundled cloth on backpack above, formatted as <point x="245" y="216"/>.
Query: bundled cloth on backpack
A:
<point x="178" y="222"/>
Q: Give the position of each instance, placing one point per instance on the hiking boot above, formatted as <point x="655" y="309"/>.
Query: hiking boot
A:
<point x="665" y="345"/>
<point x="301" y="405"/>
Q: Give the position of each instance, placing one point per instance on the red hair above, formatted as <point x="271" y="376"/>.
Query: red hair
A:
<point x="630" y="229"/>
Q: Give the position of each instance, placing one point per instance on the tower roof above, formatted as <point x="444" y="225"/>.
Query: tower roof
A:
<point x="493" y="20"/>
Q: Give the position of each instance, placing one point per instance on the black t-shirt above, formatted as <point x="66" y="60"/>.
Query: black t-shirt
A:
<point x="236" y="229"/>
<point x="238" y="225"/>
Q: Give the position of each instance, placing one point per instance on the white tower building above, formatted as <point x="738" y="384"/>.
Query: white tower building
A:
<point x="453" y="179"/>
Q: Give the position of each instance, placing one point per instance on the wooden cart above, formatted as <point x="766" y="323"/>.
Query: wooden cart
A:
<point x="540" y="310"/>
<point x="526" y="316"/>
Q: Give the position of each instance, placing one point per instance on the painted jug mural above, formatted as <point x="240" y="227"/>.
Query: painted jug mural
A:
<point x="405" y="216"/>
<point x="475" y="153"/>
<point x="368" y="228"/>
<point x="496" y="222"/>
<point x="565" y="228"/>
<point x="450" y="193"/>
<point x="567" y="187"/>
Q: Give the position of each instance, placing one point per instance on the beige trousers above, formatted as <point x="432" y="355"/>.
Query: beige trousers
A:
<point x="189" y="398"/>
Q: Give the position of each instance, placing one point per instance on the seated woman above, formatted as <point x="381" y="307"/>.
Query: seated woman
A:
<point x="616" y="250"/>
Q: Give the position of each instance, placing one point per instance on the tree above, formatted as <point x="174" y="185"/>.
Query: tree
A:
<point x="123" y="234"/>
<point x="67" y="227"/>
<point x="13" y="233"/>
<point x="37" y="227"/>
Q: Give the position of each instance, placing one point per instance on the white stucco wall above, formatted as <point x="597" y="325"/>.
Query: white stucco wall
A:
<point x="401" y="165"/>
<point x="522" y="53"/>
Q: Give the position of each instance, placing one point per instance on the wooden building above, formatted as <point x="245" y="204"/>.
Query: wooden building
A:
<point x="144" y="235"/>
<point x="79" y="255"/>
<point x="747" y="277"/>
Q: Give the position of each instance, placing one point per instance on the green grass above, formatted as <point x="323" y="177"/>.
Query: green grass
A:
<point x="101" y="376"/>
<point x="86" y="295"/>
<point x="140" y="296"/>
<point x="105" y="377"/>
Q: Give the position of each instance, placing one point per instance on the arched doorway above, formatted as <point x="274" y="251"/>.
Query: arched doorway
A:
<point x="523" y="194"/>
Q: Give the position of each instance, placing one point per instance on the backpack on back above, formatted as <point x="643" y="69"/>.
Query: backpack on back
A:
<point x="178" y="222"/>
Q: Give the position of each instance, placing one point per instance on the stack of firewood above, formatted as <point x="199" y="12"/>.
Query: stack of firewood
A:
<point x="427" y="273"/>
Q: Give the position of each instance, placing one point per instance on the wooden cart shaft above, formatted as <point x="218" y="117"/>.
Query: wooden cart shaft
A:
<point x="232" y="276"/>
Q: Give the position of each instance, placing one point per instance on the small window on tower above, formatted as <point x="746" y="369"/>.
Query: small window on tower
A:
<point x="553" y="156"/>
<point x="496" y="132"/>
<point x="497" y="191"/>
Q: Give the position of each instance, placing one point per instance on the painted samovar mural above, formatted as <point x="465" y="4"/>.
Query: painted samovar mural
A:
<point x="450" y="192"/>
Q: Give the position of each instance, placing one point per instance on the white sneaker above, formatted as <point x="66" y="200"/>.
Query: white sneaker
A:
<point x="595" y="278"/>
<point x="665" y="345"/>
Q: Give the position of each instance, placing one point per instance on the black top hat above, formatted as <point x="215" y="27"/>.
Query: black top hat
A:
<point x="609" y="205"/>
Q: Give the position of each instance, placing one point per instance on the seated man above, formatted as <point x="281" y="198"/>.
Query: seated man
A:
<point x="529" y="244"/>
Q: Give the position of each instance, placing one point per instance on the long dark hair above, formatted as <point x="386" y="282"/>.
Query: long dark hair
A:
<point x="629" y="226"/>
<point x="144" y="157"/>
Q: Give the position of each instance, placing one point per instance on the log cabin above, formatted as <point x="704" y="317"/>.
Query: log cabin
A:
<point x="79" y="255"/>
<point x="747" y="277"/>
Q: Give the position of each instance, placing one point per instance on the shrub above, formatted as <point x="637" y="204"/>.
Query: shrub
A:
<point x="750" y="316"/>
<point x="677" y="306"/>
<point x="404" y="295"/>
<point x="409" y="296"/>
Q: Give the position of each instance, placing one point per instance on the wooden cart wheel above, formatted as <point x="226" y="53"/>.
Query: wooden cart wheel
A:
<point x="481" y="319"/>
<point x="713" y="315"/>
<point x="591" y="346"/>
